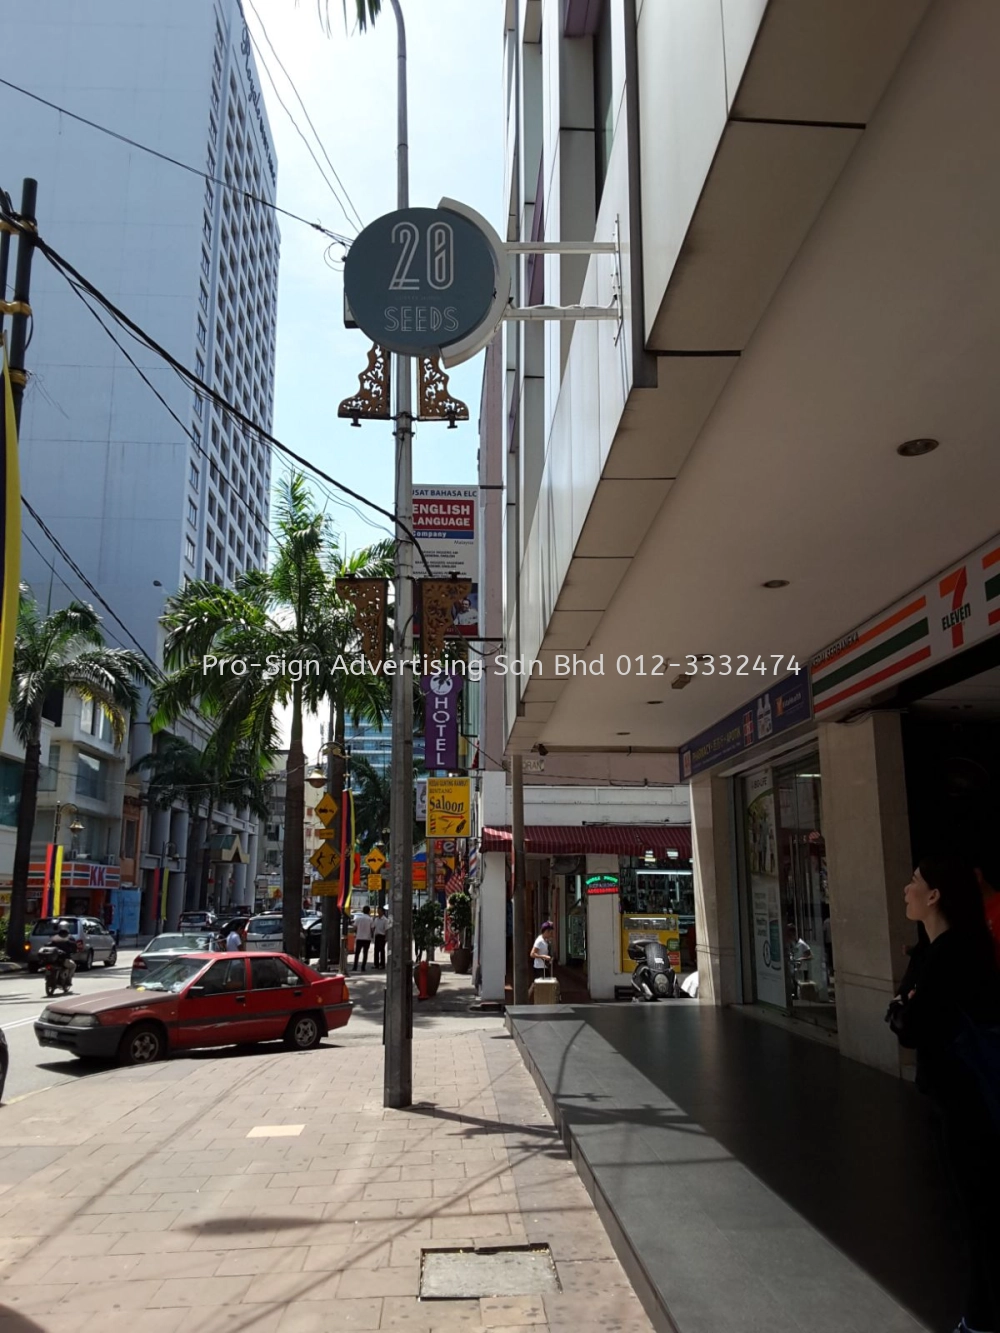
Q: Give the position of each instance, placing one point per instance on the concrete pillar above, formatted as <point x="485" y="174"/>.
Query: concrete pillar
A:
<point x="159" y="833"/>
<point x="867" y="837"/>
<point x="493" y="927"/>
<point x="714" y="892"/>
<point x="179" y="826"/>
<point x="239" y="894"/>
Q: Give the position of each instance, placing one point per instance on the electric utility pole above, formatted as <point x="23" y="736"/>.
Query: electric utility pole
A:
<point x="398" y="1090"/>
<point x="22" y="291"/>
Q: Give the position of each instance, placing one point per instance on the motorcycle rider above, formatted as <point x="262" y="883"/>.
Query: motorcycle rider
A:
<point x="67" y="947"/>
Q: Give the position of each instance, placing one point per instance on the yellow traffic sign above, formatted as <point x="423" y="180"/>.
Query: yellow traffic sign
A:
<point x="325" y="888"/>
<point x="328" y="809"/>
<point x="327" y="834"/>
<point x="326" y="860"/>
<point x="375" y="860"/>
<point x="374" y="883"/>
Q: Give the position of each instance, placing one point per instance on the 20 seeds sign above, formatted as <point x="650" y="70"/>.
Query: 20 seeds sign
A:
<point x="448" y="807"/>
<point x="422" y="280"/>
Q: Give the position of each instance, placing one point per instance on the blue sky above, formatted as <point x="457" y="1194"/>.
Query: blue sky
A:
<point x="348" y="84"/>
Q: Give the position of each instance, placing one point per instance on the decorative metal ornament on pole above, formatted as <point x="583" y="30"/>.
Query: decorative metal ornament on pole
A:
<point x="398" y="1077"/>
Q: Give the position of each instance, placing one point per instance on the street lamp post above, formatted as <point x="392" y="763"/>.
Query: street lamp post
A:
<point x="398" y="1079"/>
<point x="76" y="827"/>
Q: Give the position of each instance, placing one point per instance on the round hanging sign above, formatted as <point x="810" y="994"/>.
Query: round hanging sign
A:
<point x="421" y="279"/>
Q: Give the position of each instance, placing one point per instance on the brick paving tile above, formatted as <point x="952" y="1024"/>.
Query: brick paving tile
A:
<point x="179" y="1223"/>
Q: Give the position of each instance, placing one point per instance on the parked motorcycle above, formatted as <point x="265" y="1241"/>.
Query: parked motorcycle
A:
<point x="57" y="974"/>
<point x="652" y="978"/>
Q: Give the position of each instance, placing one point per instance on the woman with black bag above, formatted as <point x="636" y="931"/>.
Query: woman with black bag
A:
<point x="950" y="994"/>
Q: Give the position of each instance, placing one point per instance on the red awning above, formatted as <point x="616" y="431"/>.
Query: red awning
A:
<point x="599" y="839"/>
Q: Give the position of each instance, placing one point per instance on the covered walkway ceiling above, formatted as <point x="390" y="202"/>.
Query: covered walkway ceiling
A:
<point x="884" y="329"/>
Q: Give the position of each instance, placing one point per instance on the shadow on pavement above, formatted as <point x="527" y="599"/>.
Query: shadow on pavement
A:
<point x="12" y="1321"/>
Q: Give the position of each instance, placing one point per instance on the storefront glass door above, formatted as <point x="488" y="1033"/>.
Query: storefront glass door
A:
<point x="788" y="912"/>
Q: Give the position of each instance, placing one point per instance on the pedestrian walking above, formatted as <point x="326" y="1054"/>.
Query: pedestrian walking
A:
<point x="363" y="931"/>
<point x="954" y="991"/>
<point x="380" y="929"/>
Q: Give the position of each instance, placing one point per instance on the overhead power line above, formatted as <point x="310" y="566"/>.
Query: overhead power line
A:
<point x="345" y="207"/>
<point x="188" y="376"/>
<point x="224" y="483"/>
<point x="184" y="166"/>
<point x="57" y="544"/>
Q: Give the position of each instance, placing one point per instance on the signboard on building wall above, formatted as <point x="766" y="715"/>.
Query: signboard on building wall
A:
<point x="444" y="524"/>
<point x="778" y="709"/>
<point x="956" y="609"/>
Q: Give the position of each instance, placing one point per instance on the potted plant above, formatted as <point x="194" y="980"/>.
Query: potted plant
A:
<point x="460" y="916"/>
<point x="428" y="933"/>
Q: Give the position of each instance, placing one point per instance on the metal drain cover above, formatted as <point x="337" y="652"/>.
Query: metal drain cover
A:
<point x="517" y="1270"/>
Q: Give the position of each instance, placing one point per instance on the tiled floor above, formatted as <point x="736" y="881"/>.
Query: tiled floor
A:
<point x="759" y="1179"/>
<point x="137" y="1198"/>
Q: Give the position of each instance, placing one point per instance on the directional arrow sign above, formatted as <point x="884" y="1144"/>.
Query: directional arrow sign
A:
<point x="326" y="860"/>
<point x="375" y="860"/>
<point x="328" y="809"/>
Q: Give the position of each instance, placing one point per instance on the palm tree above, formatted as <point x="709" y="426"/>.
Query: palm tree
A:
<point x="257" y="636"/>
<point x="365" y="12"/>
<point x="61" y="652"/>
<point x="372" y="801"/>
<point x="178" y="771"/>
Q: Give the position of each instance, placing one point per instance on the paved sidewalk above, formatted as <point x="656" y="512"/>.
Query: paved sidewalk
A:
<point x="155" y="1199"/>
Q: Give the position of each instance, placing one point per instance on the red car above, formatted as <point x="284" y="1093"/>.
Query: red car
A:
<point x="200" y="999"/>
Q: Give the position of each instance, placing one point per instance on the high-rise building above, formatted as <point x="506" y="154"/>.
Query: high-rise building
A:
<point x="143" y="494"/>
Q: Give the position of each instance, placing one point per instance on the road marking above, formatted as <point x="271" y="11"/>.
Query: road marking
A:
<point x="21" y="1022"/>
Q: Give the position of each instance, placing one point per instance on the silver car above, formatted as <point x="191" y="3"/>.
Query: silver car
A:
<point x="163" y="949"/>
<point x="94" y="942"/>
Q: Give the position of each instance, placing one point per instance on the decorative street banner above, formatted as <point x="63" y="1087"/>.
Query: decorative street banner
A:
<point x="441" y="694"/>
<point x="448" y="807"/>
<point x="444" y="524"/>
<point x="950" y="613"/>
<point x="778" y="709"/>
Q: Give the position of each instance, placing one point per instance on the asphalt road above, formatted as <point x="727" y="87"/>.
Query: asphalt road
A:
<point x="22" y="999"/>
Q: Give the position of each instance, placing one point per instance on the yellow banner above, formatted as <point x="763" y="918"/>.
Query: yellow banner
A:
<point x="57" y="882"/>
<point x="449" y="802"/>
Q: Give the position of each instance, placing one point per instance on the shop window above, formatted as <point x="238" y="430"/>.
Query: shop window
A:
<point x="656" y="901"/>
<point x="90" y="777"/>
<point x="10" y="791"/>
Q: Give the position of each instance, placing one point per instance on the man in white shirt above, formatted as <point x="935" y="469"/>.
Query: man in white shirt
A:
<point x="363" y="935"/>
<point x="234" y="941"/>
<point x="380" y="928"/>
<point x="541" y="955"/>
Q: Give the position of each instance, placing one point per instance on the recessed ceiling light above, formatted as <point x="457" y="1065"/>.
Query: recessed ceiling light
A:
<point x="775" y="583"/>
<point x="654" y="701"/>
<point x="917" y="448"/>
<point x="623" y="733"/>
